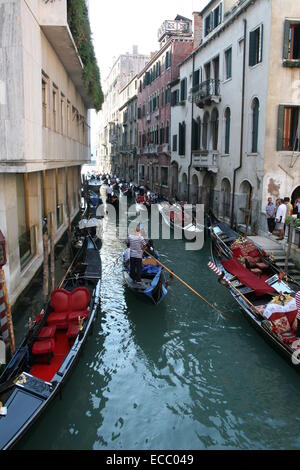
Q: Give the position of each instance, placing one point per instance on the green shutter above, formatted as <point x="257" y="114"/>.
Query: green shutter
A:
<point x="280" y="128"/>
<point x="286" y="39"/>
<point x="194" y="134"/>
<point x="252" y="49"/>
<point x="261" y="42"/>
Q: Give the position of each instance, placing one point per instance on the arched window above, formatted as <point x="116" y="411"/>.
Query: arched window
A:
<point x="215" y="128"/>
<point x="227" y="130"/>
<point x="205" y="131"/>
<point x="255" y="121"/>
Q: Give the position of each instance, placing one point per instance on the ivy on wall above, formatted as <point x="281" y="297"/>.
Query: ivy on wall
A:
<point x="79" y="24"/>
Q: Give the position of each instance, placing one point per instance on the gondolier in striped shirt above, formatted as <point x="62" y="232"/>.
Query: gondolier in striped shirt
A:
<point x="298" y="314"/>
<point x="137" y="245"/>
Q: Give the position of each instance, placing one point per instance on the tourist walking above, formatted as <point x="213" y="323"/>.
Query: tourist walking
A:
<point x="271" y="213"/>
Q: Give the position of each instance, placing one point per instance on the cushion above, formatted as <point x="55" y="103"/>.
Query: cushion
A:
<point x="60" y="300"/>
<point x="73" y="316"/>
<point x="80" y="299"/>
<point x="47" y="332"/>
<point x="281" y="325"/>
<point x="73" y="330"/>
<point x="262" y="265"/>
<point x="288" y="338"/>
<point x="295" y="325"/>
<point x="43" y="347"/>
<point x="60" y="320"/>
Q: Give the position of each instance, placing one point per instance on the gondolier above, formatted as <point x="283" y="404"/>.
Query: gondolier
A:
<point x="137" y="245"/>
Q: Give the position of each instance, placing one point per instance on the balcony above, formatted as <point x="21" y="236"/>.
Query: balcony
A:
<point x="151" y="149"/>
<point x="148" y="117"/>
<point x="126" y="148"/>
<point x="206" y="93"/>
<point x="156" y="113"/>
<point x="206" y="160"/>
<point x="175" y="27"/>
<point x="54" y="23"/>
<point x="165" y="148"/>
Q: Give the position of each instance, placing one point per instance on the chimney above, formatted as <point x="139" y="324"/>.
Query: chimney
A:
<point x="198" y="21"/>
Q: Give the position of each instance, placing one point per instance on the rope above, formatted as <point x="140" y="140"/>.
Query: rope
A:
<point x="188" y="286"/>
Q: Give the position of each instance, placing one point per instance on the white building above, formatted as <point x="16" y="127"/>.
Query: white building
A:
<point x="44" y="131"/>
<point x="124" y="69"/>
<point x="235" y="142"/>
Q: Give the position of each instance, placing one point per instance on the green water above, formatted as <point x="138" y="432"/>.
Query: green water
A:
<point x="176" y="376"/>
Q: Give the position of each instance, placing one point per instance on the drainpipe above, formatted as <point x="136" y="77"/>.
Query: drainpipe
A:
<point x="242" y="123"/>
<point x="191" y="154"/>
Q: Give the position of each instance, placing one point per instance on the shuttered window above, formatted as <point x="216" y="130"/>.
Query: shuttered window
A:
<point x="255" y="122"/>
<point x="228" y="64"/>
<point x="288" y="132"/>
<point x="174" y="148"/>
<point x="196" y="134"/>
<point x="291" y="43"/>
<point x="183" y="89"/>
<point x="196" y="78"/>
<point x="182" y="134"/>
<point x="227" y="130"/>
<point x="256" y="46"/>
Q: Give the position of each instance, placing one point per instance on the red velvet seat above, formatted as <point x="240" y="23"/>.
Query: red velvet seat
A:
<point x="72" y="332"/>
<point x="80" y="299"/>
<point x="43" y="350"/>
<point x="60" y="302"/>
<point x="59" y="320"/>
<point x="73" y="316"/>
<point x="47" y="332"/>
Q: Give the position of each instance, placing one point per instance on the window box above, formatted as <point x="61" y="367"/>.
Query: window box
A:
<point x="291" y="63"/>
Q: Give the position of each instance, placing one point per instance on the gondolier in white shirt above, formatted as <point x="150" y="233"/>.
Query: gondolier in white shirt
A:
<point x="109" y="193"/>
<point x="137" y="245"/>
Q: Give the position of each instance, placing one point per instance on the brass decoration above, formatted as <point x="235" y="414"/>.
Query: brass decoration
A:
<point x="282" y="299"/>
<point x="21" y="380"/>
<point x="80" y="321"/>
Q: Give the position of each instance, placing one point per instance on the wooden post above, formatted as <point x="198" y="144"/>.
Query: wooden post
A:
<point x="45" y="263"/>
<point x="52" y="252"/>
<point x="8" y="311"/>
<point x="68" y="201"/>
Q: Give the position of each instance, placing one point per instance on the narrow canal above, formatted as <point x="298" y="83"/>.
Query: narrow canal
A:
<point x="175" y="376"/>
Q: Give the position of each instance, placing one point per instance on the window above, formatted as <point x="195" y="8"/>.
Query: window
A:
<point x="228" y="64"/>
<point x="291" y="46"/>
<point x="227" y="130"/>
<point x="183" y="89"/>
<point x="162" y="135"/>
<point x="54" y="104"/>
<point x="196" y="134"/>
<point x="196" y="78"/>
<point x="26" y="234"/>
<point x="175" y="98"/>
<point x="255" y="121"/>
<point x="162" y="97"/>
<point x="205" y="131"/>
<point x="45" y="101"/>
<point x="256" y="46"/>
<point x="164" y="175"/>
<point x="167" y="132"/>
<point x="215" y="128"/>
<point x="213" y="19"/>
<point x="174" y="146"/>
<point x="142" y="171"/>
<point x="62" y="114"/>
<point x="69" y="118"/>
<point x="288" y="137"/>
<point x="182" y="134"/>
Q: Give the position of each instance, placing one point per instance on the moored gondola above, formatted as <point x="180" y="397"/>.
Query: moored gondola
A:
<point x="41" y="365"/>
<point x="265" y="295"/>
<point x="178" y="219"/>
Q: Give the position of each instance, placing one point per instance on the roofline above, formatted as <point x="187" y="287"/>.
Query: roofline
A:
<point x="125" y="86"/>
<point x="237" y="12"/>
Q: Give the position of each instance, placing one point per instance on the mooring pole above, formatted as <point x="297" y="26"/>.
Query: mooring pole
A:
<point x="8" y="311"/>
<point x="46" y="261"/>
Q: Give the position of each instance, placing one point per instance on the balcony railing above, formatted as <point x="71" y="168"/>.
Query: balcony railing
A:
<point x="205" y="93"/>
<point x="208" y="160"/>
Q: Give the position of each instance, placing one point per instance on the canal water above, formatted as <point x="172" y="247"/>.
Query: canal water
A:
<point x="176" y="376"/>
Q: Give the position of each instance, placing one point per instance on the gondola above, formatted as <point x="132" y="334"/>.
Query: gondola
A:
<point x="39" y="368"/>
<point x="153" y="286"/>
<point x="94" y="184"/>
<point x="92" y="227"/>
<point x="174" y="216"/>
<point x="265" y="295"/>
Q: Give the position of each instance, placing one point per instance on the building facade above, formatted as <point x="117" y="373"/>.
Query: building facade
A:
<point x="238" y="132"/>
<point x="44" y="136"/>
<point x="110" y="128"/>
<point x="154" y="103"/>
<point x="127" y="167"/>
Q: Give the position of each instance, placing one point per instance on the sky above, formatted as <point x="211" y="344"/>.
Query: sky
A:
<point x="117" y="25"/>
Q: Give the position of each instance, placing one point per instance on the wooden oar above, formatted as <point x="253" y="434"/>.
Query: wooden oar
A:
<point x="186" y="285"/>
